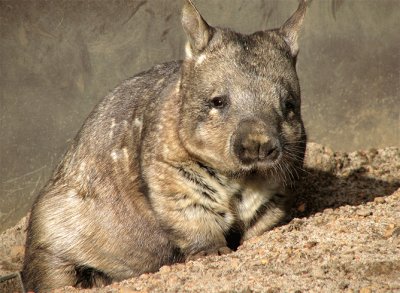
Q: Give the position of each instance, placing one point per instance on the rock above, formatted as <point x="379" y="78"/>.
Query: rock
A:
<point x="310" y="244"/>
<point x="379" y="199"/>
<point x="301" y="207"/>
<point x="364" y="213"/>
<point x="391" y="230"/>
<point x="319" y="157"/>
<point x="17" y="252"/>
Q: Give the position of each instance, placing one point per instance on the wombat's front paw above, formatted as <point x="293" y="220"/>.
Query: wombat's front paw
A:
<point x="214" y="251"/>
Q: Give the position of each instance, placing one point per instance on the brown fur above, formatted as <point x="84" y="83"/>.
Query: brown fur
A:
<point x="184" y="159"/>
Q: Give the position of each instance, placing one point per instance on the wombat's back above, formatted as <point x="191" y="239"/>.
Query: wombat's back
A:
<point x="94" y="209"/>
<point x="131" y="105"/>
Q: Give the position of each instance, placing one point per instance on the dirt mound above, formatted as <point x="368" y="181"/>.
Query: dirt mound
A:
<point x="343" y="233"/>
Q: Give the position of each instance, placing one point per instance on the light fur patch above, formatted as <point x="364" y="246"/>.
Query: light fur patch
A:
<point x="126" y="158"/>
<point x="253" y="196"/>
<point x="266" y="222"/>
<point x="250" y="204"/>
<point x="213" y="112"/>
<point x="188" y="51"/>
<point x="82" y="166"/>
<point x="114" y="155"/>
<point x="261" y="138"/>
<point x="160" y="82"/>
<point x="138" y="122"/>
<point x="200" y="59"/>
<point x="125" y="124"/>
<point x="111" y="134"/>
<point x="290" y="131"/>
<point x="71" y="193"/>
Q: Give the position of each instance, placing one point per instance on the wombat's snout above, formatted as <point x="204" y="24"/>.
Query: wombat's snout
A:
<point x="254" y="142"/>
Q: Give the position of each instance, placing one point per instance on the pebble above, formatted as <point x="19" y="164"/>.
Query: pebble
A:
<point x="364" y="213"/>
<point x="301" y="207"/>
<point x="17" y="251"/>
<point x="365" y="290"/>
<point x="389" y="231"/>
<point x="165" y="269"/>
<point x="380" y="199"/>
<point x="310" y="244"/>
<point x="343" y="285"/>
<point x="396" y="232"/>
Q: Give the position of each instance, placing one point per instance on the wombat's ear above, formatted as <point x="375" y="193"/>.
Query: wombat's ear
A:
<point x="197" y="30"/>
<point x="290" y="30"/>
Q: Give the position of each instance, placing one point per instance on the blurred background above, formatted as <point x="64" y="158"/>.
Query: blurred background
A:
<point x="58" y="58"/>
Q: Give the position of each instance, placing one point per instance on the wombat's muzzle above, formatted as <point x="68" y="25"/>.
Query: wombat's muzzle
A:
<point x="255" y="143"/>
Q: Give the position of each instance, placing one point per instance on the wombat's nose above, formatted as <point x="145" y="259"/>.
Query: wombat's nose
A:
<point x="268" y="150"/>
<point x="254" y="145"/>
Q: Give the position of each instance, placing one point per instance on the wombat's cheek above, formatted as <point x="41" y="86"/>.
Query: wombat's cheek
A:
<point x="294" y="140"/>
<point x="292" y="131"/>
<point x="211" y="145"/>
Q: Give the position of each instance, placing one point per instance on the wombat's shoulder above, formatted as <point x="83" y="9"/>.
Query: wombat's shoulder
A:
<point x="116" y="124"/>
<point x="136" y="91"/>
<point x="134" y="98"/>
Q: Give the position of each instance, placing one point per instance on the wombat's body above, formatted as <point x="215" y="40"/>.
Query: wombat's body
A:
<point x="184" y="159"/>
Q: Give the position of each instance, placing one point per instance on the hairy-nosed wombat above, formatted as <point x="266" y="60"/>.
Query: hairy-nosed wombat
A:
<point x="188" y="158"/>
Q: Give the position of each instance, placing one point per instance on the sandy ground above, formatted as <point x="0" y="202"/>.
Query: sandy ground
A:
<point x="343" y="235"/>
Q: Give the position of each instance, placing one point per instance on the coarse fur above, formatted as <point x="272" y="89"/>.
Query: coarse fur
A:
<point x="183" y="160"/>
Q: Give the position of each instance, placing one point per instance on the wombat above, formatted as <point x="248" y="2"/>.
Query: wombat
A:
<point x="187" y="159"/>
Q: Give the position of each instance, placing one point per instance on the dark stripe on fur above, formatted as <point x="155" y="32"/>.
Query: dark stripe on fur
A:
<point x="211" y="172"/>
<point x="234" y="235"/>
<point x="206" y="191"/>
<point x="260" y="212"/>
<point x="88" y="277"/>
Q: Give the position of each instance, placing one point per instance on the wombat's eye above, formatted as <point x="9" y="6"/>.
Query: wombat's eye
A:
<point x="290" y="105"/>
<point x="219" y="102"/>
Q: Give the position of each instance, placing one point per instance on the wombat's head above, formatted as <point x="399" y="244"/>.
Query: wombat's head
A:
<point x="240" y="93"/>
